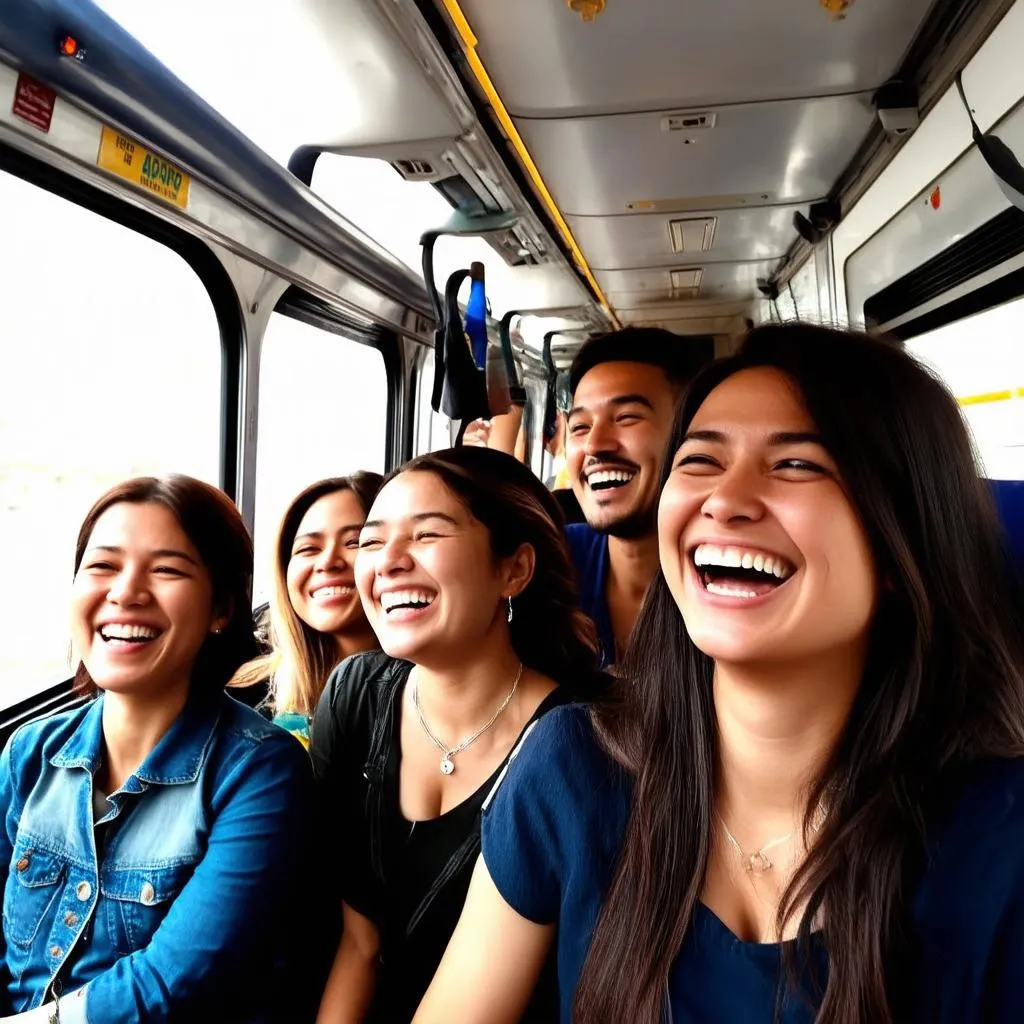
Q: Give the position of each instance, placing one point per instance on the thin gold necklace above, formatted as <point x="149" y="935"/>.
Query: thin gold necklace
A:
<point x="758" y="862"/>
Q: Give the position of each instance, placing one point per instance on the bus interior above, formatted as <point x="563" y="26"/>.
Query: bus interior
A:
<point x="212" y="221"/>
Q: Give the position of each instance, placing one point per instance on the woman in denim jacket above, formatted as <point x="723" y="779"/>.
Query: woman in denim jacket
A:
<point x="151" y="838"/>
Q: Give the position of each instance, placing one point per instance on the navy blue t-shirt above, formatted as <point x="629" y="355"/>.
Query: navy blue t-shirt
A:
<point x="590" y="556"/>
<point x="552" y="834"/>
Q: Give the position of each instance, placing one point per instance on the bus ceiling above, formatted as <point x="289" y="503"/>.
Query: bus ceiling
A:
<point x="696" y="151"/>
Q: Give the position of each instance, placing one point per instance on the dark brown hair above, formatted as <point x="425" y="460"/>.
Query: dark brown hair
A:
<point x="548" y="631"/>
<point x="302" y="657"/>
<point x="214" y="526"/>
<point x="942" y="687"/>
<point x="674" y="355"/>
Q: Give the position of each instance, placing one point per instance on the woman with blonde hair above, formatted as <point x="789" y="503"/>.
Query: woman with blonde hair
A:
<point x="316" y="619"/>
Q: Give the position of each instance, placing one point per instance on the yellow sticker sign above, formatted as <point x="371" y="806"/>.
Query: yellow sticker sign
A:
<point x="123" y="156"/>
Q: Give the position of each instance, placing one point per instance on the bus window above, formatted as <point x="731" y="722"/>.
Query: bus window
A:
<point x="433" y="431"/>
<point x="803" y="291"/>
<point x="982" y="362"/>
<point x="322" y="412"/>
<point x="110" y="367"/>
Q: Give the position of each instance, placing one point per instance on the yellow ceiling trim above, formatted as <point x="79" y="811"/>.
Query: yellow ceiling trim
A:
<point x="992" y="396"/>
<point x="469" y="44"/>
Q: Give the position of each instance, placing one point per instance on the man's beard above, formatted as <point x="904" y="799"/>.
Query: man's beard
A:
<point x="630" y="526"/>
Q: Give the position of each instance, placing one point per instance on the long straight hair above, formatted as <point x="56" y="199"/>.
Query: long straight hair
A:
<point x="301" y="657"/>
<point x="942" y="687"/>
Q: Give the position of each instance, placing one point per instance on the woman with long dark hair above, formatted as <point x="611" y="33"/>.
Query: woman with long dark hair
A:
<point x="316" y="618"/>
<point x="153" y="838"/>
<point x="465" y="575"/>
<point x="807" y="804"/>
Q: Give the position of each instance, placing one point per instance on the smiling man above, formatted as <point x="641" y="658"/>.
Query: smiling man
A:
<point x="625" y="386"/>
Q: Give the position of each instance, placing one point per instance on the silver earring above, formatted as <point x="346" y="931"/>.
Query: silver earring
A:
<point x="510" y="608"/>
<point x="216" y="630"/>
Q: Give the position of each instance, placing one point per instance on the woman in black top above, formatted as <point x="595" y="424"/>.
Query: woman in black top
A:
<point x="466" y="579"/>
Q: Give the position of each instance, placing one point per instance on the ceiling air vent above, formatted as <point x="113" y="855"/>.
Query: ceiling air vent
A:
<point x="693" y="234"/>
<point x="415" y="170"/>
<point x="686" y="283"/>
<point x="688" y="122"/>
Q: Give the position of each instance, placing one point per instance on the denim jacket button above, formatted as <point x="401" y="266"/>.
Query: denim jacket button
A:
<point x="148" y="894"/>
<point x="56" y="952"/>
<point x="70" y="919"/>
<point x="83" y="891"/>
<point x="22" y="864"/>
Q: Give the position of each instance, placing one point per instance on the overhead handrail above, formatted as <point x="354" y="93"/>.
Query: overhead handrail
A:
<point x="460" y="225"/>
<point x="997" y="154"/>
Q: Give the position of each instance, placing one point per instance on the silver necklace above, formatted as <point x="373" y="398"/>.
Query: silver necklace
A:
<point x="447" y="764"/>
<point x="758" y="862"/>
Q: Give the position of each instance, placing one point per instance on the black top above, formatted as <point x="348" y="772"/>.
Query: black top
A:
<point x="409" y="878"/>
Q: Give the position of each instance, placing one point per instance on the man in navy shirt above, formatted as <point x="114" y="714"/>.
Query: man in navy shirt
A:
<point x="625" y="386"/>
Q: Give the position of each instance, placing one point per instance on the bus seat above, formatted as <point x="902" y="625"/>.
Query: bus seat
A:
<point x="1009" y="496"/>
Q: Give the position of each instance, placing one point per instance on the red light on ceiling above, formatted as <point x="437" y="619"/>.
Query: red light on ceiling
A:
<point x="69" y="46"/>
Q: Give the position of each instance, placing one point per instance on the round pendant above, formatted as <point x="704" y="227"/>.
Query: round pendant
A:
<point x="447" y="766"/>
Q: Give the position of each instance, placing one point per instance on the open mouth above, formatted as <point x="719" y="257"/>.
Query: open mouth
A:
<point x="609" y="479"/>
<point x="406" y="600"/>
<point x="328" y="593"/>
<point x="115" y="634"/>
<point x="740" y="572"/>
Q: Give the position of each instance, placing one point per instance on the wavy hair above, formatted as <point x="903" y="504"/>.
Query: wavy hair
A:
<point x="301" y="658"/>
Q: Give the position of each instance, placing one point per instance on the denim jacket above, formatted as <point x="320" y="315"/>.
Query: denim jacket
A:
<point x="186" y="910"/>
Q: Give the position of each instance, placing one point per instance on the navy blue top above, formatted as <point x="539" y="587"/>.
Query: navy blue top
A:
<point x="552" y="833"/>
<point x="589" y="551"/>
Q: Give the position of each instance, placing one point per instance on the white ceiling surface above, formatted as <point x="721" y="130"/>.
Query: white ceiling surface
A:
<point x="632" y="240"/>
<point x="653" y="54"/>
<point x="718" y="281"/>
<point x="791" y="92"/>
<point x="791" y="151"/>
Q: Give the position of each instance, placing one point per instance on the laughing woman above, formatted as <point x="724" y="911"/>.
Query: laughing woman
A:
<point x="152" y="838"/>
<point x="809" y="803"/>
<point x="316" y="619"/>
<point x="465" y="576"/>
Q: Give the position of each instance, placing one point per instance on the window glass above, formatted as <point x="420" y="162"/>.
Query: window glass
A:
<point x="433" y="430"/>
<point x="803" y="292"/>
<point x="785" y="307"/>
<point x="982" y="361"/>
<point x="110" y="367"/>
<point x="322" y="412"/>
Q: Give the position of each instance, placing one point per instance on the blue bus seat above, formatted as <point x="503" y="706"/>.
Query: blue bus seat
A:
<point x="1009" y="496"/>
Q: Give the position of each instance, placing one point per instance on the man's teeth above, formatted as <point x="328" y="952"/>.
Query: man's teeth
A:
<point x="604" y="477"/>
<point x="710" y="556"/>
<point x="405" y="599"/>
<point x="119" y="631"/>
<point x="322" y="593"/>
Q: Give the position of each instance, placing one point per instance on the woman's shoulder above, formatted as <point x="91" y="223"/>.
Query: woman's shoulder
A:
<point x="561" y="755"/>
<point x="44" y="737"/>
<point x="360" y="678"/>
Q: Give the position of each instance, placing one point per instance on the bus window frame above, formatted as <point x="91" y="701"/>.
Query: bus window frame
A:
<point x="200" y="258"/>
<point x="300" y="305"/>
<point x="231" y="328"/>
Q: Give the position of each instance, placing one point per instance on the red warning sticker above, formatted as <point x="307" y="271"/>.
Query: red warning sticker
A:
<point x="33" y="102"/>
